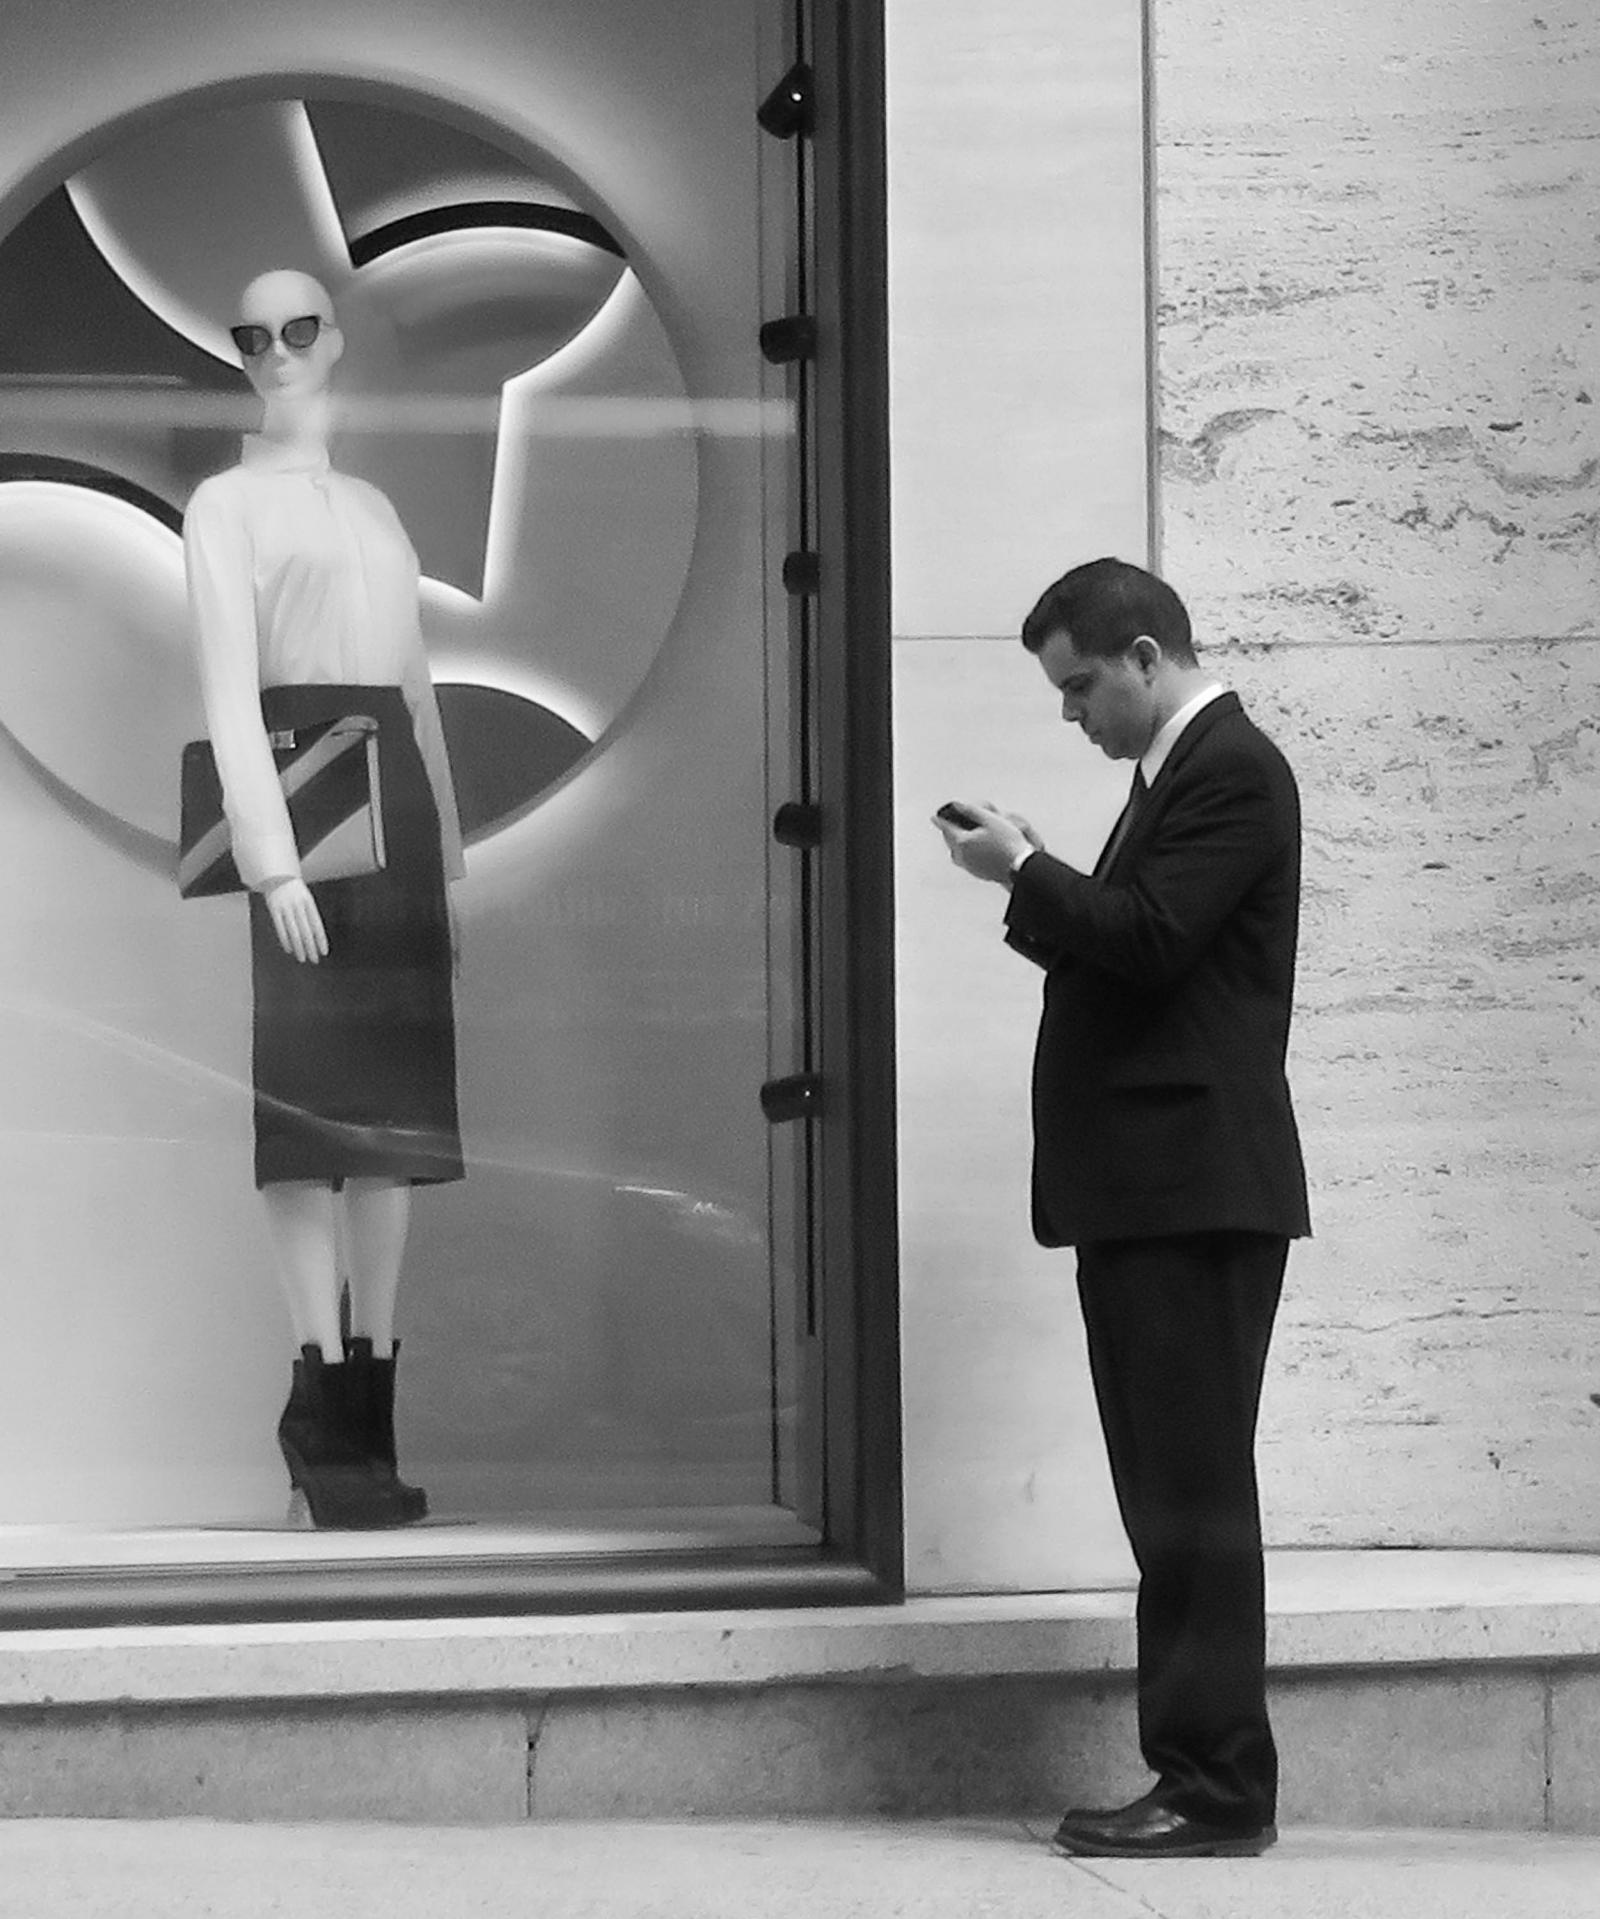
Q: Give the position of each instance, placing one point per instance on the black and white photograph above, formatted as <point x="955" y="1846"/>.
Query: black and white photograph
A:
<point x="800" y="1009"/>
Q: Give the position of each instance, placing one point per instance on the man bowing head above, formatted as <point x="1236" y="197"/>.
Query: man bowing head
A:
<point x="1165" y="1152"/>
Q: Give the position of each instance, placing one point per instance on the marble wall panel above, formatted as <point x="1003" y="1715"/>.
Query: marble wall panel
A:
<point x="1440" y="1336"/>
<point x="1005" y="1479"/>
<point x="1017" y="312"/>
<point x="1378" y="357"/>
<point x="1376" y="393"/>
<point x="1441" y="1333"/>
<point x="1018" y="388"/>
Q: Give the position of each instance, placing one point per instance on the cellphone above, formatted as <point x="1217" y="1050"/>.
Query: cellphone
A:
<point x="958" y="815"/>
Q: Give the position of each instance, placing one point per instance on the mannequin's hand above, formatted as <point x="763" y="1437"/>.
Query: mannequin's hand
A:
<point x="296" y="921"/>
<point x="987" y="850"/>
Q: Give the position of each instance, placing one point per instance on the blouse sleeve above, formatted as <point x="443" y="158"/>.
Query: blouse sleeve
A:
<point x="416" y="683"/>
<point x="222" y="615"/>
<point x="424" y="704"/>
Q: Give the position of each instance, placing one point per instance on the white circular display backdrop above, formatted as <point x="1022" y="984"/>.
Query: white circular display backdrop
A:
<point x="509" y="386"/>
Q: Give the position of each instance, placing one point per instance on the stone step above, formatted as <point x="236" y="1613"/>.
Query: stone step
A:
<point x="1409" y="1689"/>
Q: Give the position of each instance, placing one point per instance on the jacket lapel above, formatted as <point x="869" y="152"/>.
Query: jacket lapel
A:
<point x="1122" y="831"/>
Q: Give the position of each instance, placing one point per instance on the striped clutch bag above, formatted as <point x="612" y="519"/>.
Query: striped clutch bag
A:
<point x="329" y="776"/>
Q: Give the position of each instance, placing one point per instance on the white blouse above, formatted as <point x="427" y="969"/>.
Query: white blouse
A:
<point x="301" y="576"/>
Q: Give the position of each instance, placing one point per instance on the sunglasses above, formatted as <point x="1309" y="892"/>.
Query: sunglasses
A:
<point x="298" y="335"/>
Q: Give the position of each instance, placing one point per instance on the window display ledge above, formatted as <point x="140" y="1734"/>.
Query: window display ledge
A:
<point x="1330" y="1610"/>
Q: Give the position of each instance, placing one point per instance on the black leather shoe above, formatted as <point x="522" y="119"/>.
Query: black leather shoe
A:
<point x="1149" y="1830"/>
<point x="1097" y="1815"/>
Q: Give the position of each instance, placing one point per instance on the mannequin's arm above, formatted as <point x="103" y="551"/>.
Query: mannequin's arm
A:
<point x="424" y="706"/>
<point x="222" y="616"/>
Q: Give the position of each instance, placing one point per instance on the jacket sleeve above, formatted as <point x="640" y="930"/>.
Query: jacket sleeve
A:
<point x="1018" y="936"/>
<point x="1217" y="833"/>
<point x="218" y="562"/>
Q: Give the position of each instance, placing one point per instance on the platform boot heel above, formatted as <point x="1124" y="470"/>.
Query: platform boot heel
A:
<point x="371" y="1386"/>
<point x="327" y="1465"/>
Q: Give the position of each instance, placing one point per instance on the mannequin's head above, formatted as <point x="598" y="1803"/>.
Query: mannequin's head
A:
<point x="282" y="373"/>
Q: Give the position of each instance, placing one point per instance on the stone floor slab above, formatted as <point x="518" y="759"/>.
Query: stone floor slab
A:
<point x="795" y="1869"/>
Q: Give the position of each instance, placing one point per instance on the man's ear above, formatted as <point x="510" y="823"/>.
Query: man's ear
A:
<point x="1146" y="654"/>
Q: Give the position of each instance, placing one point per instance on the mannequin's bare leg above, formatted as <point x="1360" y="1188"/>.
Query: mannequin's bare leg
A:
<point x="322" y="1428"/>
<point x="377" y="1217"/>
<point x="300" y="1215"/>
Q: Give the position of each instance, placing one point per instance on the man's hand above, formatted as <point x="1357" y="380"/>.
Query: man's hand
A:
<point x="989" y="850"/>
<point x="296" y="921"/>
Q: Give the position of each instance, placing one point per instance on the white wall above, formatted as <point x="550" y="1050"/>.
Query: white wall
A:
<point x="1018" y="368"/>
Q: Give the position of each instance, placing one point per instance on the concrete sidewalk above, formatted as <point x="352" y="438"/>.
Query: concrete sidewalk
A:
<point x="969" y="1869"/>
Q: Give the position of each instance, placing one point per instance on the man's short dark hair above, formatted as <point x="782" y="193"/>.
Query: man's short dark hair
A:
<point x="1105" y="605"/>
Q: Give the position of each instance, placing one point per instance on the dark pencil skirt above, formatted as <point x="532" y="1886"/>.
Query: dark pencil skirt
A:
<point x="355" y="1057"/>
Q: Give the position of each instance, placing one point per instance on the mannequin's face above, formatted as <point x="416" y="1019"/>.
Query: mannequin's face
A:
<point x="283" y="372"/>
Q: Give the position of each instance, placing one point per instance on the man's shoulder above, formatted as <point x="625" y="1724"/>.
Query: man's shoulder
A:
<point x="1233" y="734"/>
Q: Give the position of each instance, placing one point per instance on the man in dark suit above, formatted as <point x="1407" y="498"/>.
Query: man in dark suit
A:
<point x="1165" y="1152"/>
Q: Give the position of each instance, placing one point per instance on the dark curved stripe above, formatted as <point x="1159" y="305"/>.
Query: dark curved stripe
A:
<point x="367" y="247"/>
<point x="506" y="753"/>
<point x="50" y="466"/>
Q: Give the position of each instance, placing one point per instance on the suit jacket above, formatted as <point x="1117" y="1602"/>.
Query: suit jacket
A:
<point x="1160" y="1101"/>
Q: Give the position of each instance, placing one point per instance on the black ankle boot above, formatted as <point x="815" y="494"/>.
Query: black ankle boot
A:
<point x="372" y="1410"/>
<point x="326" y="1461"/>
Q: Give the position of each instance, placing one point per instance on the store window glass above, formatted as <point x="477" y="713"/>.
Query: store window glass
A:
<point x="538" y="246"/>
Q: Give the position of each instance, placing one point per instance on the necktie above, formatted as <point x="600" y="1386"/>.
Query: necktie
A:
<point x="1124" y="826"/>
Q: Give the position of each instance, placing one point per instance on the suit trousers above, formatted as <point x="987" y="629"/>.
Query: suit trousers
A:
<point x="1178" y="1329"/>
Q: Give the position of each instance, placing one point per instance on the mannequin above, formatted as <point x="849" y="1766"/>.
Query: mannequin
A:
<point x="303" y="603"/>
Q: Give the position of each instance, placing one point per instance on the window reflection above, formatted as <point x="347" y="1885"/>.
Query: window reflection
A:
<point x="596" y="1330"/>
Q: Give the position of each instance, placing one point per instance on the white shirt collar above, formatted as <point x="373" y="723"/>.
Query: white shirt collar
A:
<point x="1155" y="754"/>
<point x="262" y="455"/>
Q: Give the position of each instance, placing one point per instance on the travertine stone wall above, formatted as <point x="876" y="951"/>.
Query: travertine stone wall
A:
<point x="1378" y="421"/>
<point x="1018" y="369"/>
<point x="1379" y="416"/>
